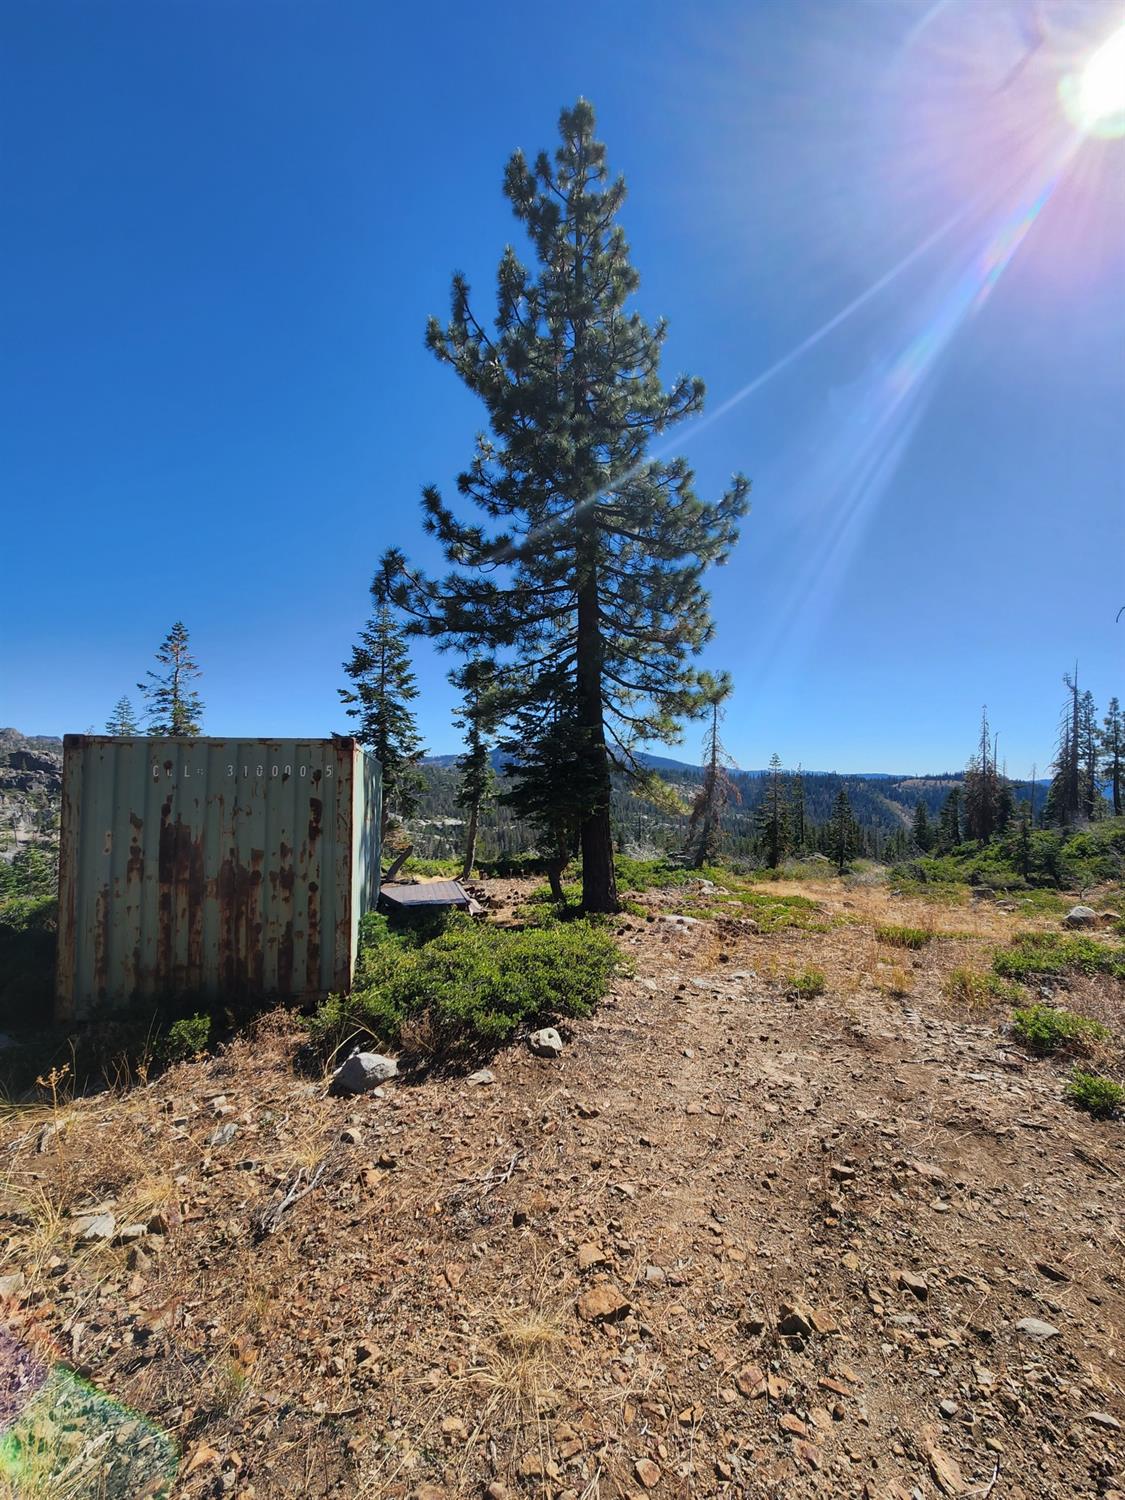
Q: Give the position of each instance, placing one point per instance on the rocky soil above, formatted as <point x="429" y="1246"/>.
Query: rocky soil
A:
<point x="731" y="1242"/>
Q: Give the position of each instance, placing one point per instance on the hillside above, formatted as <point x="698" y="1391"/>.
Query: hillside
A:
<point x="793" y="1215"/>
<point x="882" y="803"/>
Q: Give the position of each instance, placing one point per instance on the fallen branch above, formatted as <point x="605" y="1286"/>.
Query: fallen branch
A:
<point x="303" y="1183"/>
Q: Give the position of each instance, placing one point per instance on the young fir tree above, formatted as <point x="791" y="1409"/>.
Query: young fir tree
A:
<point x="1023" y="844"/>
<point x="478" y="781"/>
<point x="843" y="832"/>
<point x="718" y="787"/>
<point x="123" y="719"/>
<point x="921" y="832"/>
<point x="771" y="817"/>
<point x="949" y="822"/>
<point x="172" y="705"/>
<point x="798" y="812"/>
<point x="590" y="586"/>
<point x="384" y="688"/>
<point x="1113" y="753"/>
<point x="1005" y="805"/>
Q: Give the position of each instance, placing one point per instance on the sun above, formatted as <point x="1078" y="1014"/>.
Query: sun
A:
<point x="1097" y="95"/>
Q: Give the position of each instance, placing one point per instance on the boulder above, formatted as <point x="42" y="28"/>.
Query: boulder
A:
<point x="546" y="1043"/>
<point x="1081" y="916"/>
<point x="363" y="1071"/>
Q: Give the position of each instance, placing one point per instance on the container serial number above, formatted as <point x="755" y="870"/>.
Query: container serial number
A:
<point x="251" y="771"/>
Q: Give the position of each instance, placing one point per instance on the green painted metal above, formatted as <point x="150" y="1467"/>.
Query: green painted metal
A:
<point x="212" y="867"/>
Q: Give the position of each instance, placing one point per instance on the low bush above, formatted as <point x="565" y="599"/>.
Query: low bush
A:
<point x="471" y="984"/>
<point x="806" y="984"/>
<point x="1043" y="1029"/>
<point x="1032" y="953"/>
<point x="1098" y="1096"/>
<point x="184" y="1039"/>
<point x="973" y="990"/>
<point x="903" y="937"/>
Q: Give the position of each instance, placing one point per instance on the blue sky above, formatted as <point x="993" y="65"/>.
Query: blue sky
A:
<point x="226" y="223"/>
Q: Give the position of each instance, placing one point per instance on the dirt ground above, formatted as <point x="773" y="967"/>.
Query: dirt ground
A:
<point x="737" y="1240"/>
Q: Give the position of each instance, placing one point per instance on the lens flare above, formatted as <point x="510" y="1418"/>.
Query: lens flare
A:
<point x="1095" y="98"/>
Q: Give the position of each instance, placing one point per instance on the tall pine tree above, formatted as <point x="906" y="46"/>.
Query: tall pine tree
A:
<point x="981" y="790"/>
<point x="384" y="687"/>
<point x="589" y="589"/>
<point x="798" y="812"/>
<point x="772" y="819"/>
<point x="1113" y="753"/>
<point x="172" y="704"/>
<point x="718" y="787"/>
<point x="843" y="832"/>
<point x="949" y="822"/>
<point x="1064" y="796"/>
<point x="478" y="781"/>
<point x="1089" y="755"/>
<point x="921" y="832"/>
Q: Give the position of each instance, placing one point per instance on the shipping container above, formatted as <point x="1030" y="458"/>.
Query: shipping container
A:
<point x="227" y="869"/>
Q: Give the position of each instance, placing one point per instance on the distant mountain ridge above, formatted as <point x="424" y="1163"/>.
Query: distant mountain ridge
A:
<point x="667" y="763"/>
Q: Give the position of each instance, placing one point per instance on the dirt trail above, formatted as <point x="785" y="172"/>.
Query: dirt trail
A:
<point x="730" y="1243"/>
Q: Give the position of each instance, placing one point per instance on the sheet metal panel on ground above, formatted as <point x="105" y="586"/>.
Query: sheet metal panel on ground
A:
<point x="236" y="868"/>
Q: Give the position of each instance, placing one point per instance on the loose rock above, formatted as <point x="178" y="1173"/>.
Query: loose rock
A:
<point x="603" y="1304"/>
<point x="363" y="1071"/>
<point x="546" y="1043"/>
<point x="1036" y="1330"/>
<point x="647" y="1472"/>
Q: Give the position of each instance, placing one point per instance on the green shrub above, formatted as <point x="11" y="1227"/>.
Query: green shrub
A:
<point x="1032" y="953"/>
<point x="903" y="937"/>
<point x="185" y="1038"/>
<point x="806" y="984"/>
<point x="971" y="988"/>
<point x="1043" y="1029"/>
<point x="472" y="983"/>
<point x="1098" y="1096"/>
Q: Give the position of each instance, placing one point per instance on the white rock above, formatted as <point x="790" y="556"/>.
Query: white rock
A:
<point x="10" y="1285"/>
<point x="1103" y="1419"/>
<point x="546" y="1043"/>
<point x="1081" y="916"/>
<point x="363" y="1071"/>
<point x="95" y="1227"/>
<point x="481" y="1078"/>
<point x="1036" y="1329"/>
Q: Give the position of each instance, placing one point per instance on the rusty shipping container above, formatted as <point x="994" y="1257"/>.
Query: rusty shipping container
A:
<point x="223" y="868"/>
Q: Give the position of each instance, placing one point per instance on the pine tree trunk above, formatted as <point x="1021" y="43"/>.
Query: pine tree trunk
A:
<point x="470" y="842"/>
<point x="599" y="880"/>
<point x="555" y="867"/>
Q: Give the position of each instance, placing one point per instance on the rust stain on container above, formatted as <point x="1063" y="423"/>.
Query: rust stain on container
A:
<point x="216" y="867"/>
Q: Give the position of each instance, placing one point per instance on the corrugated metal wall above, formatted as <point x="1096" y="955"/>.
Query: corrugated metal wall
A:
<point x="235" y="868"/>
